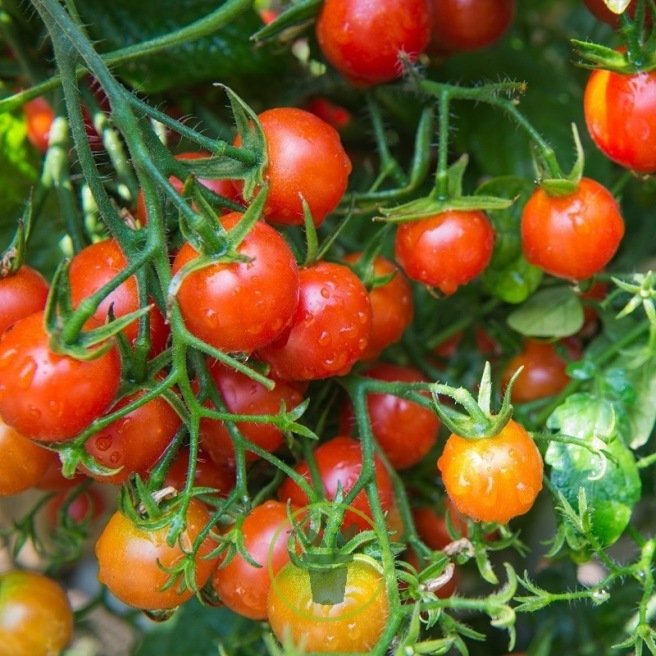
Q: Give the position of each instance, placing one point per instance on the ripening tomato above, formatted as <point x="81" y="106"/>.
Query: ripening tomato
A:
<point x="350" y="36"/>
<point x="240" y="585"/>
<point x="446" y="250"/>
<point x="35" y="615"/>
<point x="391" y="305"/>
<point x="492" y="479"/>
<point x="39" y="116"/>
<point x="92" y="268"/>
<point x="305" y="159"/>
<point x="132" y="560"/>
<point x="208" y="473"/>
<point x="51" y="397"/>
<point x="80" y="507"/>
<point x="405" y="431"/>
<point x="241" y="306"/>
<point x="22" y="463"/>
<point x="339" y="463"/>
<point x="620" y="113"/>
<point x="336" y="115"/>
<point x="572" y="236"/>
<point x="244" y="396"/>
<point x="330" y="329"/>
<point x="352" y="625"/>
<point x="21" y="294"/>
<point x="135" y="442"/>
<point x="460" y="25"/>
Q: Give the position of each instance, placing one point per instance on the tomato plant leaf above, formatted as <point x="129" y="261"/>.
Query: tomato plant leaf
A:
<point x="611" y="482"/>
<point x="553" y="312"/>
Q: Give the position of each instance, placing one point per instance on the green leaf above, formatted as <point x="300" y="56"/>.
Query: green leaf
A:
<point x="554" y="312"/>
<point x="611" y="484"/>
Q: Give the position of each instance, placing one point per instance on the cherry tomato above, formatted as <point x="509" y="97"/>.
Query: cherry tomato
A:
<point x="305" y="158"/>
<point x="39" y="116"/>
<point x="23" y="462"/>
<point x="241" y="586"/>
<point x="331" y="113"/>
<point x="330" y="328"/>
<point x="243" y="395"/>
<point x="81" y="507"/>
<point x="21" y="294"/>
<point x="53" y="480"/>
<point x="241" y="306"/>
<point x="352" y="625"/>
<point x="620" y="113"/>
<point x="208" y="473"/>
<point x="599" y="9"/>
<point x="339" y="463"/>
<point x="492" y="479"/>
<point x="35" y="615"/>
<point x="124" y="550"/>
<point x="544" y="372"/>
<point x="135" y="442"/>
<point x="460" y="25"/>
<point x="446" y="250"/>
<point x="92" y="268"/>
<point x="405" y="431"/>
<point x="391" y="305"/>
<point x="572" y="236"/>
<point x="51" y="397"/>
<point x="349" y="34"/>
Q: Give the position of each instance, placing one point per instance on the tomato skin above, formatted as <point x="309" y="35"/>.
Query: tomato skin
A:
<point x="572" y="236"/>
<point x="336" y="115"/>
<point x="39" y="116"/>
<point x="45" y="396"/>
<point x="339" y="462"/>
<point x="330" y="329"/>
<point x="349" y="33"/>
<point x="124" y="548"/>
<point x="405" y="431"/>
<point x="305" y="157"/>
<point x="353" y="625"/>
<point x="23" y="462"/>
<point x="492" y="479"/>
<point x="208" y="473"/>
<point x="446" y="250"/>
<point x="35" y="615"/>
<point x="82" y="509"/>
<point x="620" y="114"/>
<point x="134" y="442"/>
<point x="242" y="587"/>
<point x="243" y="395"/>
<point x="599" y="9"/>
<point x="92" y="268"/>
<point x="21" y="294"/>
<point x="241" y="306"/>
<point x="392" y="306"/>
<point x="461" y="25"/>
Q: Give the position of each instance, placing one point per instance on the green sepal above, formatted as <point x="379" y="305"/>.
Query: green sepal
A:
<point x="594" y="55"/>
<point x="295" y="18"/>
<point x="12" y="257"/>
<point x="567" y="184"/>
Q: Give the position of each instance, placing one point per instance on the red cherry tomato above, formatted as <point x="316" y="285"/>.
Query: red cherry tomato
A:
<point x="492" y="479"/>
<point x="599" y="9"/>
<point x="331" y="113"/>
<point x="35" y="615"/>
<point x="51" y="397"/>
<point x="92" y="268"/>
<point x="39" y="116"/>
<point x="241" y="586"/>
<point x="134" y="442"/>
<point x="243" y="395"/>
<point x="241" y="306"/>
<point x="405" y="431"/>
<point x="620" y="113"/>
<point x="132" y="560"/>
<point x="572" y="236"/>
<point x="350" y="36"/>
<point x="208" y="473"/>
<point x="446" y="250"/>
<point x="53" y="480"/>
<point x="21" y="294"/>
<point x="305" y="158"/>
<point x="339" y="462"/>
<point x="81" y="507"/>
<point x="460" y="25"/>
<point x="330" y="329"/>
<point x="391" y="306"/>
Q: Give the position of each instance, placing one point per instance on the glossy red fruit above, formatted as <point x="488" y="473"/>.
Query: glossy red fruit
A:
<point x="350" y="35"/>
<point x="599" y="9"/>
<point x="208" y="473"/>
<point x="241" y="306"/>
<point x="330" y="328"/>
<point x="445" y="250"/>
<point x="572" y="236"/>
<point x="21" y="294"/>
<point x="36" y="384"/>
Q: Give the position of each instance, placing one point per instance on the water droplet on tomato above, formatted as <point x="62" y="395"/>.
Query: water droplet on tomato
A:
<point x="324" y="338"/>
<point x="103" y="443"/>
<point x="7" y="357"/>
